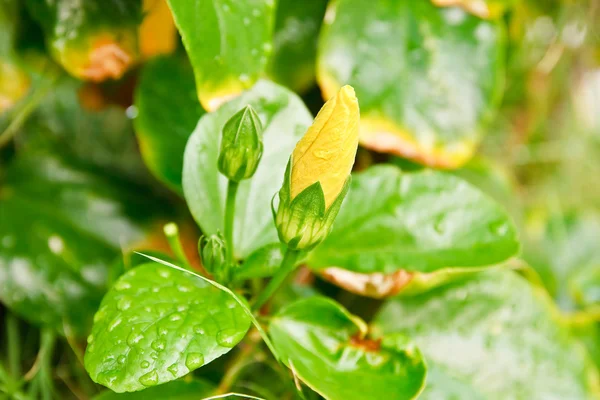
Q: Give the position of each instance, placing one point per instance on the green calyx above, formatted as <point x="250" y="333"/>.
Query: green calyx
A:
<point x="241" y="145"/>
<point x="213" y="251"/>
<point x="303" y="222"/>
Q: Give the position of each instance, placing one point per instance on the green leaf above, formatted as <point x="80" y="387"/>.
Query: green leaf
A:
<point x="61" y="226"/>
<point x="157" y="324"/>
<point x="228" y="44"/>
<point x="178" y="390"/>
<point x="493" y="336"/>
<point x="165" y="121"/>
<point x="420" y="222"/>
<point x="563" y="248"/>
<point x="326" y="347"/>
<point x="297" y="28"/>
<point x="285" y="119"/>
<point x="262" y="263"/>
<point x="427" y="77"/>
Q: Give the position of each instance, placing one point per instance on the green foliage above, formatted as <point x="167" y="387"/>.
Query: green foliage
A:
<point x="474" y="332"/>
<point x="164" y="122"/>
<point x="156" y="325"/>
<point x="145" y="202"/>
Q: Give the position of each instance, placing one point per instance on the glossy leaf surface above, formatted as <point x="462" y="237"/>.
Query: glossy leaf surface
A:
<point x="427" y="77"/>
<point x="157" y="324"/>
<point x="168" y="110"/>
<point x="285" y="119"/>
<point x="418" y="222"/>
<point x="326" y="347"/>
<point x="297" y="28"/>
<point x="262" y="263"/>
<point x="228" y="43"/>
<point x="493" y="336"/>
<point x="61" y="226"/>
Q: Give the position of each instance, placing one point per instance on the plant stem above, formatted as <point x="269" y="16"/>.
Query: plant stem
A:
<point x="232" y="188"/>
<point x="48" y="341"/>
<point x="14" y="345"/>
<point x="171" y="231"/>
<point x="238" y="363"/>
<point x="288" y="264"/>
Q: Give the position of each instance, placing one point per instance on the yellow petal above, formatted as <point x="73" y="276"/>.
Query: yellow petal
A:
<point x="326" y="152"/>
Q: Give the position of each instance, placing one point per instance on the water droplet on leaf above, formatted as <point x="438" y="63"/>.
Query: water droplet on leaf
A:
<point x="194" y="360"/>
<point x="149" y="379"/>
<point x="229" y="337"/>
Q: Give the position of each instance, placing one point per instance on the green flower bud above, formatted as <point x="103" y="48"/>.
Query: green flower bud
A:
<point x="213" y="251"/>
<point x="241" y="145"/>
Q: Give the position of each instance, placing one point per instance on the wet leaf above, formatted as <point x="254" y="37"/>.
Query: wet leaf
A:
<point x="61" y="226"/>
<point x="297" y="28"/>
<point x="228" y="43"/>
<point x="157" y="324"/>
<point x="427" y="77"/>
<point x="165" y="121"/>
<point x="421" y="222"/>
<point x="285" y="119"/>
<point x="326" y="348"/>
<point x="493" y="336"/>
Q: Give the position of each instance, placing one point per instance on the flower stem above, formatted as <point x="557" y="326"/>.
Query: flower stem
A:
<point x="232" y="189"/>
<point x="288" y="264"/>
<point x="171" y="231"/>
<point x="14" y="345"/>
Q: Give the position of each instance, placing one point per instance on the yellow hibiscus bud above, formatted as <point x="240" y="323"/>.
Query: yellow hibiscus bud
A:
<point x="318" y="173"/>
<point x="326" y="152"/>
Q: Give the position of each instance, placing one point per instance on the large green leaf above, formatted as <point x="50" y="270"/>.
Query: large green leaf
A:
<point x="295" y="42"/>
<point x="564" y="249"/>
<point x="493" y="336"/>
<point x="228" y="43"/>
<point x="157" y="324"/>
<point x="285" y="119"/>
<point x="326" y="347"/>
<point x="426" y="77"/>
<point x="61" y="226"/>
<point x="178" y="390"/>
<point x="168" y="111"/>
<point x="418" y="222"/>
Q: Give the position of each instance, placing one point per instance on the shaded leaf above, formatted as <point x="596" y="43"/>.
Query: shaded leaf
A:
<point x="61" y="226"/>
<point x="492" y="336"/>
<point x="297" y="28"/>
<point x="285" y="119"/>
<point x="228" y="44"/>
<point x="177" y="390"/>
<point x="168" y="111"/>
<point x="426" y="77"/>
<point x="262" y="263"/>
<point x="326" y="347"/>
<point x="157" y="324"/>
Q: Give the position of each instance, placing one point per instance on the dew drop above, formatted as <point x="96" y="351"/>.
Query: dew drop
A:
<point x="164" y="273"/>
<point x="163" y="331"/>
<point x="256" y="12"/>
<point x="194" y="360"/>
<point x="121" y="359"/>
<point x="145" y="364"/>
<point x="267" y="47"/>
<point x="173" y="369"/>
<point x="124" y="303"/>
<point x="90" y="339"/>
<point x="154" y="355"/>
<point x="231" y="303"/>
<point x="114" y="324"/>
<point x="155" y="290"/>
<point x="158" y="345"/>
<point x="91" y="348"/>
<point x="499" y="228"/>
<point x="181" y="308"/>
<point x="149" y="379"/>
<point x="175" y="317"/>
<point x="109" y="358"/>
<point x="100" y="315"/>
<point x="122" y="285"/>
<point x="199" y="330"/>
<point x="134" y="338"/>
<point x="246" y="21"/>
<point x="229" y="337"/>
<point x="107" y="378"/>
<point x="184" y="289"/>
